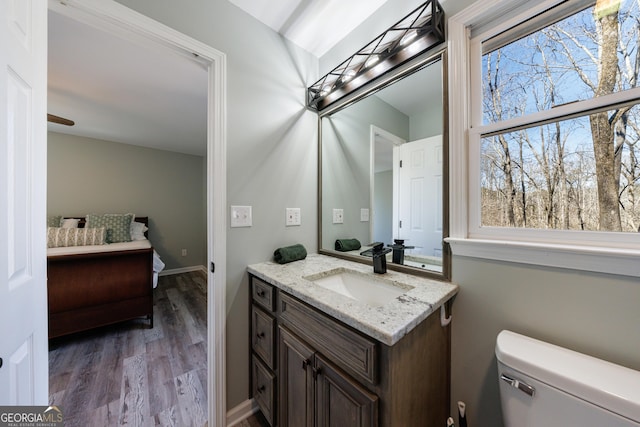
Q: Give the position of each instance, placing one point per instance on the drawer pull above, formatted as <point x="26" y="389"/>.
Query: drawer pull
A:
<point x="261" y="293"/>
<point x="261" y="389"/>
<point x="260" y="335"/>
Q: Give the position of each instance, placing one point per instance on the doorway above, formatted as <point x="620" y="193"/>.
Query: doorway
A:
<point x="112" y="17"/>
<point x="383" y="181"/>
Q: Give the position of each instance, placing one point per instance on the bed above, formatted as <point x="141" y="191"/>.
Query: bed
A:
<point x="98" y="285"/>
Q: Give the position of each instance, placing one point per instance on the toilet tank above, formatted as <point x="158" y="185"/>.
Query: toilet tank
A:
<point x="543" y="385"/>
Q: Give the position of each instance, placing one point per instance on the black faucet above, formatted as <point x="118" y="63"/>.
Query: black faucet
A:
<point x="378" y="252"/>
<point x="398" y="250"/>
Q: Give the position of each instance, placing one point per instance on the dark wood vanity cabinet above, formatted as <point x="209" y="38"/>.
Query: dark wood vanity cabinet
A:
<point x="310" y="370"/>
<point x="263" y="348"/>
<point x="313" y="392"/>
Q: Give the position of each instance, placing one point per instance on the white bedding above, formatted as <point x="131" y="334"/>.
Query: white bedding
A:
<point x="158" y="265"/>
<point x="123" y="246"/>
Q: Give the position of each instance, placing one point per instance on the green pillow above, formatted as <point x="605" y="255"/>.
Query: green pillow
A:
<point x="118" y="226"/>
<point x="54" y="220"/>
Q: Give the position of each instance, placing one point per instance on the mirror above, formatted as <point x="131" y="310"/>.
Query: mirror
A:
<point x="383" y="172"/>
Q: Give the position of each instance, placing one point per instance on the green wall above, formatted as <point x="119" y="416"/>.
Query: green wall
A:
<point x="93" y="176"/>
<point x="595" y="314"/>
<point x="271" y="148"/>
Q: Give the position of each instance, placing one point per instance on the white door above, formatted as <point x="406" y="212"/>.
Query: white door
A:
<point x="420" y="196"/>
<point x="23" y="156"/>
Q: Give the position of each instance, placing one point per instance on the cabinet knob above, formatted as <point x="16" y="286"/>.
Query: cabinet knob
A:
<point x="305" y="363"/>
<point x="316" y="372"/>
<point x="260" y="335"/>
<point x="261" y="389"/>
<point x="261" y="293"/>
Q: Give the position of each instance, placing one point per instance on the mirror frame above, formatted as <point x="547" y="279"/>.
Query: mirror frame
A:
<point x="430" y="57"/>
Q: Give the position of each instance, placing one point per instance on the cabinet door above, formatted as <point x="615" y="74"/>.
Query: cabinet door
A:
<point x="296" y="388"/>
<point x="340" y="401"/>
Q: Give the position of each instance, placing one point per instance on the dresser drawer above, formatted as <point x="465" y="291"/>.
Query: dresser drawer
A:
<point x="263" y="327"/>
<point x="263" y="294"/>
<point x="264" y="389"/>
<point x="348" y="349"/>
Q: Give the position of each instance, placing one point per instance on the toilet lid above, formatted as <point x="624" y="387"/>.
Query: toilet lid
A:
<point x="602" y="383"/>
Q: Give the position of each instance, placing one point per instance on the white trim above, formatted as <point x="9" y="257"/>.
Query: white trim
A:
<point x="458" y="53"/>
<point x="112" y="16"/>
<point x="586" y="258"/>
<point x="241" y="412"/>
<point x="493" y="17"/>
<point x="217" y="239"/>
<point x="570" y="250"/>
<point x="183" y="270"/>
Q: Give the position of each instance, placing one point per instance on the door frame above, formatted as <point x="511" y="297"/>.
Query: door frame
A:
<point x="395" y="141"/>
<point x="117" y="19"/>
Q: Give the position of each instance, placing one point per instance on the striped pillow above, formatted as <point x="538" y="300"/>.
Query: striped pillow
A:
<point x="61" y="237"/>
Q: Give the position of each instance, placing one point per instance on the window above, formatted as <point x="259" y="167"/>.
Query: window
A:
<point x="574" y="168"/>
<point x="553" y="125"/>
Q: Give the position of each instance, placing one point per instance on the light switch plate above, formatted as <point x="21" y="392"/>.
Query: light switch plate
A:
<point x="364" y="215"/>
<point x="292" y="216"/>
<point x="241" y="216"/>
<point x="338" y="216"/>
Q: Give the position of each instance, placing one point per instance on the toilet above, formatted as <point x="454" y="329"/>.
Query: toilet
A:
<point x="543" y="385"/>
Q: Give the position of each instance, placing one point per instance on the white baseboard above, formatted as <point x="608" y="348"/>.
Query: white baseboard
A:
<point x="183" y="270"/>
<point x="241" y="412"/>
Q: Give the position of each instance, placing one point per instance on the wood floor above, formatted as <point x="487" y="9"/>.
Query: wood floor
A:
<point x="257" y="420"/>
<point x="128" y="374"/>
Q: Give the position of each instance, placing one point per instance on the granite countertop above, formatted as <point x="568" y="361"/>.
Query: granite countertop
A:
<point x="387" y="323"/>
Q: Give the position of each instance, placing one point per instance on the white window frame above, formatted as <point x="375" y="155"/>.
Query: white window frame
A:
<point x="604" y="252"/>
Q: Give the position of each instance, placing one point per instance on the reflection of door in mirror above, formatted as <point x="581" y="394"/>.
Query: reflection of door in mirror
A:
<point x="418" y="205"/>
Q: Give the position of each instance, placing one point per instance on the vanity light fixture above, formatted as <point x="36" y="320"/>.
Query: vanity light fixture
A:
<point x="413" y="35"/>
<point x="408" y="37"/>
<point x="371" y="61"/>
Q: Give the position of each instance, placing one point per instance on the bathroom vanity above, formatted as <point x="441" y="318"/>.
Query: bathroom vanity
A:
<point x="375" y="358"/>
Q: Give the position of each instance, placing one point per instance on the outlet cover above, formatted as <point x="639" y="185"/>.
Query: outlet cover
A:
<point x="364" y="215"/>
<point x="338" y="216"/>
<point x="241" y="216"/>
<point x="292" y="216"/>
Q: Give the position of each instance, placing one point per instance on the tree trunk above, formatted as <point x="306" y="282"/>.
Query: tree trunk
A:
<point x="602" y="131"/>
<point x="509" y="187"/>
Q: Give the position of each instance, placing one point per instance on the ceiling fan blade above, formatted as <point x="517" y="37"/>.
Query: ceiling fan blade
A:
<point x="60" y="120"/>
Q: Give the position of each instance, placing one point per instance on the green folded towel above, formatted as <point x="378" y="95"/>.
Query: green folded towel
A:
<point x="345" y="245"/>
<point x="289" y="254"/>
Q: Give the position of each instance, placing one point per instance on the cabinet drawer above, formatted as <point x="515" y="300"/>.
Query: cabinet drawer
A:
<point x="346" y="348"/>
<point x="263" y="328"/>
<point x="264" y="388"/>
<point x="263" y="294"/>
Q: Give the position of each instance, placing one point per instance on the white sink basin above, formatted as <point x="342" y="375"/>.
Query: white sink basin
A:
<point x="359" y="286"/>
